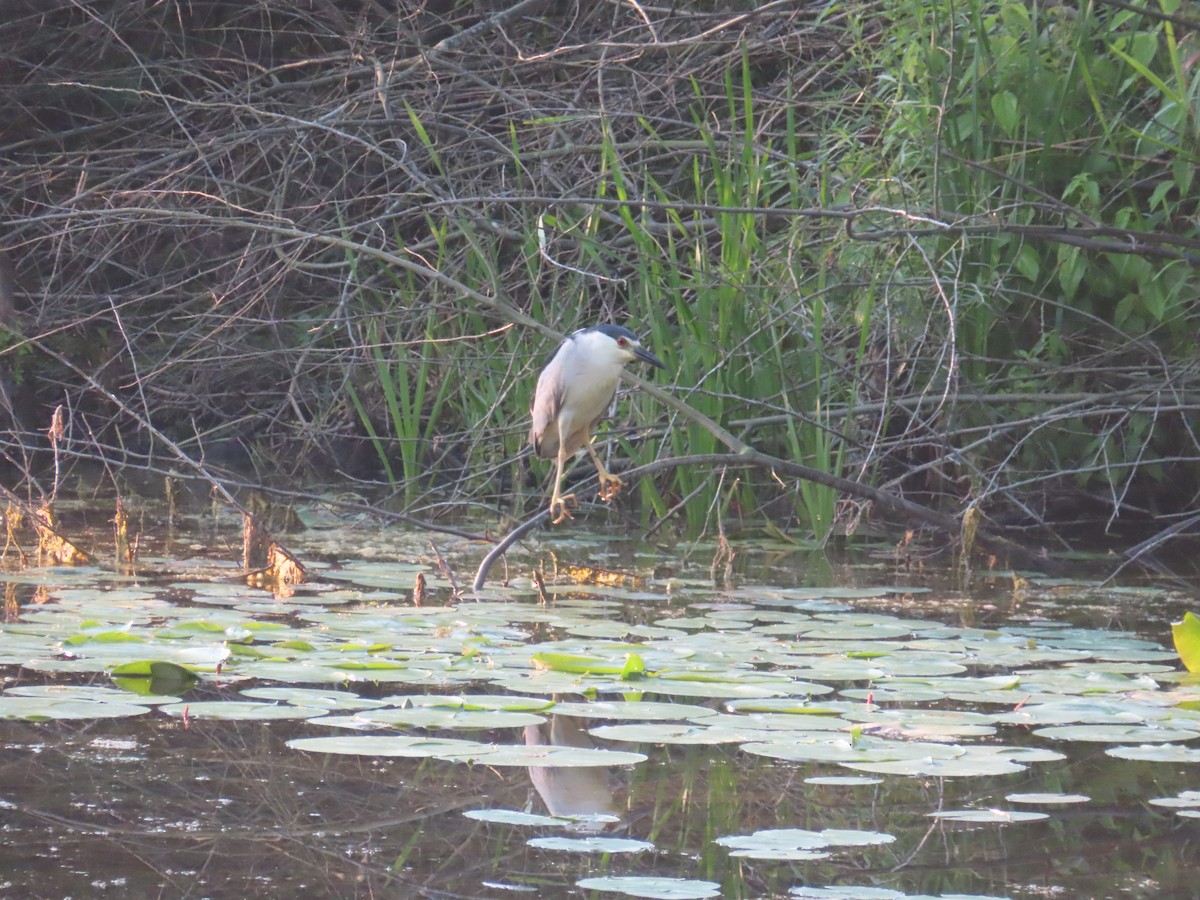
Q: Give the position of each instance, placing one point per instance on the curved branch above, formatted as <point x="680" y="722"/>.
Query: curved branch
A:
<point x="751" y="458"/>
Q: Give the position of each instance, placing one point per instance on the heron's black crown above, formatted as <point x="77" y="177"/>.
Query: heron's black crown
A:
<point x="613" y="331"/>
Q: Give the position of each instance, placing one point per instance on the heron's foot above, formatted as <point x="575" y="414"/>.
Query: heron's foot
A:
<point x="610" y="486"/>
<point x="560" y="503"/>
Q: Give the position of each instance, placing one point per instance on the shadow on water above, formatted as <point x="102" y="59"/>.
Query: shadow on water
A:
<point x="853" y="732"/>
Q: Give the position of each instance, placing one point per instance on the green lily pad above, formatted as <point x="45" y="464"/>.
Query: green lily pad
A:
<point x="154" y="677"/>
<point x="576" y="664"/>
<point x="1186" y="634"/>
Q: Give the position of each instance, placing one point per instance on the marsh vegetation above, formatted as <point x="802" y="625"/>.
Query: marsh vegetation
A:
<point x="945" y="252"/>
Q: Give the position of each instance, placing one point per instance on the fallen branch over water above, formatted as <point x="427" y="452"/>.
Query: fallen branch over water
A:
<point x="751" y="458"/>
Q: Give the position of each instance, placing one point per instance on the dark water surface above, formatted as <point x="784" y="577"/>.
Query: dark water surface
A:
<point x="167" y="804"/>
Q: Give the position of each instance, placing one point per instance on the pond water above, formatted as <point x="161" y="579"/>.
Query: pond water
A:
<point x="655" y="726"/>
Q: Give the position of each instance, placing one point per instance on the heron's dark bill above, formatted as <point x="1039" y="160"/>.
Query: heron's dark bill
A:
<point x="646" y="356"/>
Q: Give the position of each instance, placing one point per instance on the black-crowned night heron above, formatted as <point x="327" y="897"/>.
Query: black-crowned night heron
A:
<point x="573" y="392"/>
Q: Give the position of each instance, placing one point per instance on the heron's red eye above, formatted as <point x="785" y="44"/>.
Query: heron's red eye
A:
<point x="621" y="342"/>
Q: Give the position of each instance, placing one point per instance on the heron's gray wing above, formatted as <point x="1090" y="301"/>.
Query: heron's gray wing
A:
<point x="544" y="409"/>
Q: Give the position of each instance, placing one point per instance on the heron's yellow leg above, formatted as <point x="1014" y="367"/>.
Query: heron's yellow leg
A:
<point x="610" y="484"/>
<point x="558" y="500"/>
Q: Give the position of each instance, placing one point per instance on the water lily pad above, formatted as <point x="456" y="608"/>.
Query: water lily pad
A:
<point x="542" y="755"/>
<point x="57" y="692"/>
<point x="802" y="596"/>
<point x="775" y="843"/>
<point x="1184" y="799"/>
<point x="652" y="887"/>
<point x="674" y="733"/>
<point x="620" y="631"/>
<point x="512" y="817"/>
<point x="1186" y="634"/>
<point x="1157" y="753"/>
<point x="590" y="844"/>
<point x="154" y="678"/>
<point x="237" y="710"/>
<point x="767" y="722"/>
<point x="850" y="837"/>
<point x="314" y="697"/>
<point x="798" y="843"/>
<point x="297" y="673"/>
<point x="45" y="708"/>
<point x="189" y="653"/>
<point x="988" y="816"/>
<point x="378" y="574"/>
<point x="924" y="724"/>
<point x="629" y="665"/>
<point x="383" y="745"/>
<point x="791" y="706"/>
<point x="451" y="719"/>
<point x="64" y="666"/>
<point x="1104" y="709"/>
<point x="641" y="710"/>
<point x="547" y="684"/>
<point x="905" y="694"/>
<point x="1115" y="734"/>
<point x="967" y="766"/>
<point x="821" y="747"/>
<point x="679" y="687"/>
<point x="497" y="702"/>
<point x="1049" y="798"/>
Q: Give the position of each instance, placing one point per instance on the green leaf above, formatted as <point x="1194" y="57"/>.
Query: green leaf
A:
<point x="1071" y="268"/>
<point x="1028" y="262"/>
<point x="105" y="637"/>
<point x="1187" y="641"/>
<point x="1004" y="108"/>
<point x="635" y="667"/>
<point x="577" y="664"/>
<point x="147" y="677"/>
